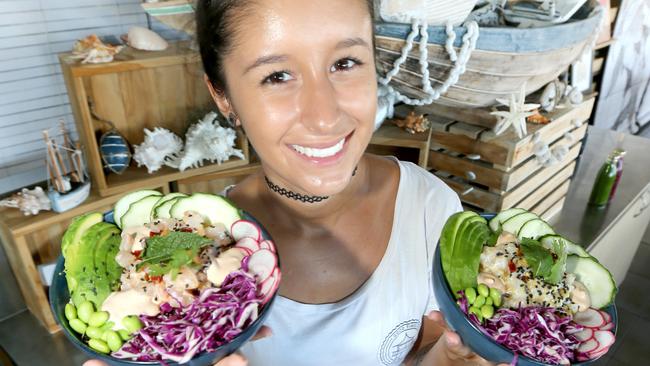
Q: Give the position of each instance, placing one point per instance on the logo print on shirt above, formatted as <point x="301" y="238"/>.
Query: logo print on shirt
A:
<point x="399" y="342"/>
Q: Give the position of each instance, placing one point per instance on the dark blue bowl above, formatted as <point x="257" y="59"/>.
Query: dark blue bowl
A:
<point x="59" y="297"/>
<point x="472" y="337"/>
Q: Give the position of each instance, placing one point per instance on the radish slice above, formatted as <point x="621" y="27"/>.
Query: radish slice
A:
<point x="248" y="243"/>
<point x="608" y="326"/>
<point x="267" y="284"/>
<point x="588" y="346"/>
<point x="585" y="335"/>
<point x="267" y="244"/>
<point x="245" y="229"/>
<point x="590" y="318"/>
<point x="262" y="263"/>
<point x="606" y="316"/>
<point x="605" y="338"/>
<point x="598" y="354"/>
<point x="274" y="287"/>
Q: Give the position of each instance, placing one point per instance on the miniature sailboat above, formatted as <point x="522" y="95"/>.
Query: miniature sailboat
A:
<point x="68" y="183"/>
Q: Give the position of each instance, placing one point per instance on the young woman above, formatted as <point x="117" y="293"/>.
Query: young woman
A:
<point x="355" y="232"/>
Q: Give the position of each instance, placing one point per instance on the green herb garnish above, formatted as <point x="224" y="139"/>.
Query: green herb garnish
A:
<point x="544" y="263"/>
<point x="168" y="253"/>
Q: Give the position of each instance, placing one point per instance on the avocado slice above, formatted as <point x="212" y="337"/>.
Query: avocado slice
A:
<point x="113" y="269"/>
<point x="460" y="255"/>
<point x="103" y="279"/>
<point x="466" y="263"/>
<point x="448" y="237"/>
<point x="80" y="269"/>
<point x="76" y="230"/>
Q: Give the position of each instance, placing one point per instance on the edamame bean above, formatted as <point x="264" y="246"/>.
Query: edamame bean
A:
<point x="480" y="301"/>
<point x="470" y="294"/>
<point x="98" y="318"/>
<point x="132" y="323"/>
<point x="483" y="290"/>
<point x="99" y="346"/>
<point x="124" y="334"/>
<point x="113" y="340"/>
<point x="70" y="311"/>
<point x="78" y="326"/>
<point x="85" y="310"/>
<point x="487" y="311"/>
<point x="496" y="297"/>
<point x="488" y="301"/>
<point x="94" y="332"/>
<point x="476" y="311"/>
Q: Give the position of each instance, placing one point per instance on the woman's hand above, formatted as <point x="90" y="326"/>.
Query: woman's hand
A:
<point x="450" y="350"/>
<point x="232" y="360"/>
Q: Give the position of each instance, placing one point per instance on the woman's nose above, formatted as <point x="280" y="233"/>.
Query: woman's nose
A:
<point x="320" y="108"/>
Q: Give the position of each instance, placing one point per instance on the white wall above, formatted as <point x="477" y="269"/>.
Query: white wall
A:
<point x="32" y="92"/>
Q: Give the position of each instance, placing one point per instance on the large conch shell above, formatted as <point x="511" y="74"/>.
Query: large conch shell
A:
<point x="158" y="145"/>
<point x="30" y="202"/>
<point x="206" y="140"/>
<point x="145" y="39"/>
<point x="92" y="50"/>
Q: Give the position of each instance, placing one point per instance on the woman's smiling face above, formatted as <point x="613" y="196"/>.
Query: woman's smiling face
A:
<point x="301" y="78"/>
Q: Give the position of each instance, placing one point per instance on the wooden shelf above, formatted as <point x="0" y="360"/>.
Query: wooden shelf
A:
<point x="138" y="178"/>
<point x="139" y="90"/>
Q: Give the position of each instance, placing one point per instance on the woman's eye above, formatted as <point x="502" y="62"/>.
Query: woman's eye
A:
<point x="345" y="64"/>
<point x="277" y="77"/>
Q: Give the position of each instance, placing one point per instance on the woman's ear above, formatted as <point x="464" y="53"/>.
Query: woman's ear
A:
<point x="219" y="97"/>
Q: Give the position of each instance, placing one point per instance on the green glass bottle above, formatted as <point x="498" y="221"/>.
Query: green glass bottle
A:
<point x="605" y="181"/>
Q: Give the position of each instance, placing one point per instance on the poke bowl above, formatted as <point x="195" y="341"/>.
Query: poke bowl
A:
<point x="164" y="279"/>
<point x="549" y="327"/>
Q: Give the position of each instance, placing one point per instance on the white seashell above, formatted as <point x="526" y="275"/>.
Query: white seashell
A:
<point x="159" y="145"/>
<point x="206" y="140"/>
<point x="434" y="12"/>
<point x="145" y="39"/>
<point x="30" y="202"/>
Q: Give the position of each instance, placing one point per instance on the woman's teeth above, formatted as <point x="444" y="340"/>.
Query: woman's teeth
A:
<point x="320" y="153"/>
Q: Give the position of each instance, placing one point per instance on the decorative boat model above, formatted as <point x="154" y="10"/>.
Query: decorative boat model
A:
<point x="504" y="58"/>
<point x="68" y="183"/>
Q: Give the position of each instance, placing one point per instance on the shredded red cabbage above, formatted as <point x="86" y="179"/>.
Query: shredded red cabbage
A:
<point x="542" y="333"/>
<point x="214" y="318"/>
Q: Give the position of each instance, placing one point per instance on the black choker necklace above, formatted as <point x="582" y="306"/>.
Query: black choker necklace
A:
<point x="297" y="196"/>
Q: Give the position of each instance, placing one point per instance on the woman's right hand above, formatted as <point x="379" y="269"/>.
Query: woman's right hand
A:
<point x="232" y="360"/>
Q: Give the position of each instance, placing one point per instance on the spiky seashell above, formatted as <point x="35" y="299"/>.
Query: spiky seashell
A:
<point x="158" y="145"/>
<point x="92" y="50"/>
<point x="206" y="140"/>
<point x="145" y="39"/>
<point x="30" y="202"/>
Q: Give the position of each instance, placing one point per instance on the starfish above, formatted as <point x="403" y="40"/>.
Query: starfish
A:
<point x="517" y="114"/>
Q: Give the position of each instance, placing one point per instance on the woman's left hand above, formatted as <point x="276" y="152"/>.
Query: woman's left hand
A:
<point x="449" y="349"/>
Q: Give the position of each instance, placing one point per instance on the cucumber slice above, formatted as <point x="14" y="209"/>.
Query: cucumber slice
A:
<point x="162" y="211"/>
<point x="214" y="209"/>
<point x="535" y="229"/>
<point x="514" y="224"/>
<point x="125" y="202"/>
<point x="572" y="248"/>
<point x="139" y="212"/>
<point x="595" y="277"/>
<point x="496" y="222"/>
<point x="164" y="199"/>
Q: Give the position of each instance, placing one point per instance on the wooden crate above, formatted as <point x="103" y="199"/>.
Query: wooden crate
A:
<point x="140" y="90"/>
<point x="492" y="173"/>
<point x="30" y="241"/>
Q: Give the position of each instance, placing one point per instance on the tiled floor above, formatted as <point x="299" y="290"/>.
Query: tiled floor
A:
<point x="632" y="345"/>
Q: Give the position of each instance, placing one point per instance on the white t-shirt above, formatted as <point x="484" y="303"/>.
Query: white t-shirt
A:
<point x="378" y="323"/>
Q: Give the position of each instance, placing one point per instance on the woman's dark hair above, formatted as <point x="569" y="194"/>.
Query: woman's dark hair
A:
<point x="216" y="22"/>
